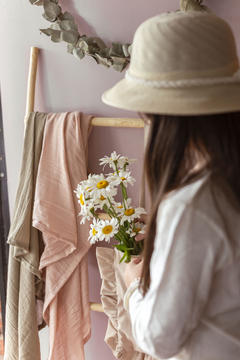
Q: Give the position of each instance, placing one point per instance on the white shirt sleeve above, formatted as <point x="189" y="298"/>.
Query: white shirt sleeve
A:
<point x="182" y="265"/>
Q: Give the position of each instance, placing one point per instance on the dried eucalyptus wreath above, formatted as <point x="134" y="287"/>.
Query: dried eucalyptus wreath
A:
<point x="63" y="28"/>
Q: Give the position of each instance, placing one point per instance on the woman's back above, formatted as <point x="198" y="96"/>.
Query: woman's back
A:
<point x="193" y="300"/>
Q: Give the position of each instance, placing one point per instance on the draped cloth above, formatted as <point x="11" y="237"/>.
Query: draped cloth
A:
<point x="63" y="165"/>
<point x="25" y="287"/>
<point x="119" y="331"/>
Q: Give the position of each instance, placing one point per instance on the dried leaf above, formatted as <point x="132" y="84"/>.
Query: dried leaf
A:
<point x="47" y="18"/>
<point x="118" y="60"/>
<point x="56" y="40"/>
<point x="56" y="26"/>
<point x="68" y="25"/>
<point x="130" y="49"/>
<point x="51" y="10"/>
<point x="101" y="44"/>
<point x="105" y="52"/>
<point x="70" y="37"/>
<point x="68" y="16"/>
<point x="125" y="49"/>
<point x="119" y="64"/>
<point x="37" y="2"/>
<point x="78" y="53"/>
<point x="83" y="45"/>
<point x="119" y="67"/>
<point x="63" y="28"/>
<point x="51" y="32"/>
<point x="190" y="5"/>
<point x="103" y="61"/>
<point x="116" y="49"/>
<point x="70" y="48"/>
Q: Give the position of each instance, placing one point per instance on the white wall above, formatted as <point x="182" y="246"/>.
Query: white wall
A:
<point x="65" y="84"/>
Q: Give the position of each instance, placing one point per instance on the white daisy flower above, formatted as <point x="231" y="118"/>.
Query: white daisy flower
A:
<point x="139" y="229"/>
<point x="117" y="206"/>
<point x="109" y="160"/>
<point x="130" y="213"/>
<point x="86" y="213"/>
<point x="107" y="229"/>
<point x="125" y="160"/>
<point x="84" y="190"/>
<point x="102" y="200"/>
<point x="93" y="233"/>
<point x="85" y="201"/>
<point x="99" y="185"/>
<point x="123" y="177"/>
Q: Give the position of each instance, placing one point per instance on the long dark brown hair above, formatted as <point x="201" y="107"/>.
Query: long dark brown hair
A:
<point x="173" y="144"/>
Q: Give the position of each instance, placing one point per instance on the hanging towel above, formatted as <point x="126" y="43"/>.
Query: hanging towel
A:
<point x="63" y="165"/>
<point x="25" y="288"/>
<point x="119" y="331"/>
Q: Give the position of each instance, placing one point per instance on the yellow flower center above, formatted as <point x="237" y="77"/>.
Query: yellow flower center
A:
<point x="120" y="207"/>
<point x="94" y="232"/>
<point x="102" y="184"/>
<point x="107" y="229"/>
<point x="123" y="178"/>
<point x="102" y="198"/>
<point x="129" y="212"/>
<point x="138" y="229"/>
<point x="81" y="199"/>
<point x="89" y="188"/>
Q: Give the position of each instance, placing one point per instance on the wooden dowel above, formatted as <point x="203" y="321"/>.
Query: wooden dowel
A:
<point x="96" y="121"/>
<point x="118" y="122"/>
<point x="32" y="75"/>
<point x="96" y="307"/>
<point x="103" y="216"/>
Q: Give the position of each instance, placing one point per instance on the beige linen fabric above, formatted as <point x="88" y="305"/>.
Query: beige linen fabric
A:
<point x="63" y="165"/>
<point x="119" y="334"/>
<point x="25" y="288"/>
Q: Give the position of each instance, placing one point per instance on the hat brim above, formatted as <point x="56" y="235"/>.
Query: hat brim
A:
<point x="203" y="100"/>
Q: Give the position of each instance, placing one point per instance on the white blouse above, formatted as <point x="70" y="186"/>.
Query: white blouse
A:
<point x="192" y="308"/>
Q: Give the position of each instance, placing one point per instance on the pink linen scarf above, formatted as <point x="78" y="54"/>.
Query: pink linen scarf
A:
<point x="62" y="166"/>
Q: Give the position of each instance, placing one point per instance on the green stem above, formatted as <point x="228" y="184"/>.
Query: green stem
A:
<point x="94" y="214"/>
<point x="112" y="209"/>
<point x="108" y="211"/>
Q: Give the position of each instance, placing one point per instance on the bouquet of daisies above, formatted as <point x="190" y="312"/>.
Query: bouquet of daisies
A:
<point x="98" y="192"/>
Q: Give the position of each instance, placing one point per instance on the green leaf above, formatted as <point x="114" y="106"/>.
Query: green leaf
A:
<point x="123" y="258"/>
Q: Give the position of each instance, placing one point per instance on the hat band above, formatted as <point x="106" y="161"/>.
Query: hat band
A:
<point x="235" y="78"/>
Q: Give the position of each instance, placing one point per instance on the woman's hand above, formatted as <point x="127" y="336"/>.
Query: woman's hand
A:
<point x="133" y="270"/>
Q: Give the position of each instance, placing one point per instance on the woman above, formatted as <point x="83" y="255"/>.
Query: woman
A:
<point x="184" y="75"/>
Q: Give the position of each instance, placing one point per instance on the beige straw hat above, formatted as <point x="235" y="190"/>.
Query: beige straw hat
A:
<point x="181" y="64"/>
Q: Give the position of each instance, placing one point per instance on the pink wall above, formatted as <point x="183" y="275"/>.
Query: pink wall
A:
<point x="64" y="84"/>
